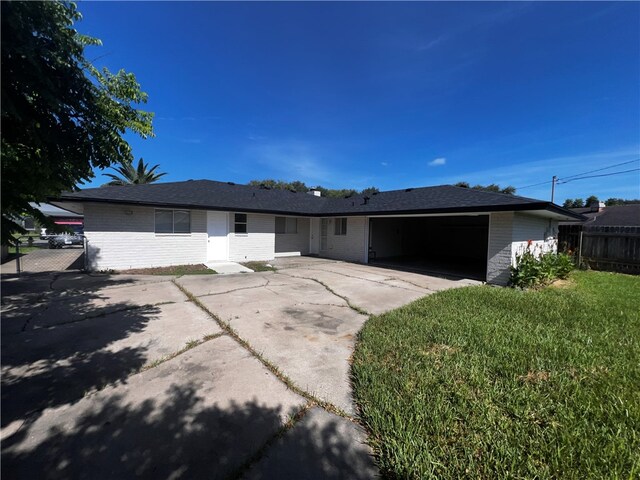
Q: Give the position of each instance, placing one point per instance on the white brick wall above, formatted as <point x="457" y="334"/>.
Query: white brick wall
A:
<point x="295" y="244"/>
<point x="509" y="234"/>
<point x="256" y="245"/>
<point x="541" y="231"/>
<point x="352" y="246"/>
<point x="499" y="251"/>
<point x="122" y="237"/>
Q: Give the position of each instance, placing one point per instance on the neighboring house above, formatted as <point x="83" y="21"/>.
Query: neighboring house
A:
<point x="607" y="239"/>
<point x="197" y="221"/>
<point x="57" y="214"/>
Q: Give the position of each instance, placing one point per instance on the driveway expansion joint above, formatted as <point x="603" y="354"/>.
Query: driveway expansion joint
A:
<point x="273" y="368"/>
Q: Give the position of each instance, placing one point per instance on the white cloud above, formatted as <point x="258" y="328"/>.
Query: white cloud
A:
<point x="437" y="162"/>
<point x="384" y="164"/>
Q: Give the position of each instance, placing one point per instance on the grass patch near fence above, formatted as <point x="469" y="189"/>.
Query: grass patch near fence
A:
<point x="259" y="266"/>
<point x="485" y="382"/>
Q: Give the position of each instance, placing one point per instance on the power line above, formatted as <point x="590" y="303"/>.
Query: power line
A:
<point x="600" y="169"/>
<point x="601" y="175"/>
<point x="534" y="185"/>
<point x="573" y="177"/>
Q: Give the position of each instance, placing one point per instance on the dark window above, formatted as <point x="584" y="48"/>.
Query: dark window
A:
<point x="340" y="226"/>
<point x="240" y="223"/>
<point x="173" y="221"/>
<point x="286" y="225"/>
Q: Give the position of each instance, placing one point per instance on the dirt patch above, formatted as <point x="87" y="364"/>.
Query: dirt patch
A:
<point x="560" y="283"/>
<point x="439" y="349"/>
<point x="198" y="269"/>
<point x="534" y="377"/>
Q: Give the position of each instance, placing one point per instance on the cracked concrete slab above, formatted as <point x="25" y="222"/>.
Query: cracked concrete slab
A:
<point x="321" y="446"/>
<point x="71" y="308"/>
<point x="199" y="286"/>
<point x="404" y="278"/>
<point x="299" y="325"/>
<point x="371" y="295"/>
<point x="59" y="365"/>
<point x="200" y="415"/>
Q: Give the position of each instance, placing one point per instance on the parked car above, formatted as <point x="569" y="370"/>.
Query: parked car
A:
<point x="67" y="239"/>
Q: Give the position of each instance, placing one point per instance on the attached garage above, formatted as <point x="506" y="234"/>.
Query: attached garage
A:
<point x="448" y="245"/>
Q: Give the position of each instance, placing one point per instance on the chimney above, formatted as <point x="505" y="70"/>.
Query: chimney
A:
<point x="315" y="193"/>
<point x="596" y="206"/>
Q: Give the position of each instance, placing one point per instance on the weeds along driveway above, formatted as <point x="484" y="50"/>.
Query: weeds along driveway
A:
<point x="199" y="376"/>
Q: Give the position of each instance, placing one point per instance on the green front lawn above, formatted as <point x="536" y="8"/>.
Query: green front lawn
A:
<point x="484" y="382"/>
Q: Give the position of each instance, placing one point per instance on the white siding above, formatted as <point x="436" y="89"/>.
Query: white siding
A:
<point x="293" y="244"/>
<point x="499" y="251"/>
<point x="352" y="246"/>
<point x="256" y="245"/>
<point x="122" y="237"/>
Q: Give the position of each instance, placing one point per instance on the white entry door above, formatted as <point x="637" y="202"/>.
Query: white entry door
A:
<point x="217" y="229"/>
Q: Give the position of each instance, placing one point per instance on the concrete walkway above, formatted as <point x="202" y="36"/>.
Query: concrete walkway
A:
<point x="192" y="377"/>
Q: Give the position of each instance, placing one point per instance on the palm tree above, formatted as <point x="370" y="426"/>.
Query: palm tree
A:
<point x="133" y="176"/>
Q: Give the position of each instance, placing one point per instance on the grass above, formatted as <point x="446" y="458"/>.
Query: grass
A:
<point x="178" y="270"/>
<point x="259" y="266"/>
<point x="484" y="382"/>
<point x="23" y="249"/>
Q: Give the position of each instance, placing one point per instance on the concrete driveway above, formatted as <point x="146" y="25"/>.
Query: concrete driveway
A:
<point x="238" y="376"/>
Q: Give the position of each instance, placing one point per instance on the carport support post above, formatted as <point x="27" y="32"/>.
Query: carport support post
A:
<point x="18" y="257"/>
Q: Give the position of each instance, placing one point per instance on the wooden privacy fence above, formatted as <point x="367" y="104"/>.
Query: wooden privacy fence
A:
<point x="613" y="249"/>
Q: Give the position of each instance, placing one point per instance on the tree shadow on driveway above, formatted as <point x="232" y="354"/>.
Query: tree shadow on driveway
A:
<point x="179" y="438"/>
<point x="51" y="367"/>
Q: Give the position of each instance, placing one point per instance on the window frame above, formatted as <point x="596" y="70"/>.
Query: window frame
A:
<point x="340" y="227"/>
<point x="173" y="221"/>
<point x="237" y="222"/>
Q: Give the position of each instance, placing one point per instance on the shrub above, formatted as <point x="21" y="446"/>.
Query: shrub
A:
<point x="533" y="269"/>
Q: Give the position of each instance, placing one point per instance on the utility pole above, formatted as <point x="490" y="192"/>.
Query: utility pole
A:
<point x="553" y="187"/>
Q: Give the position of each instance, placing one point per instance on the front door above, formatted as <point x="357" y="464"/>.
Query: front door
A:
<point x="324" y="228"/>
<point x="217" y="229"/>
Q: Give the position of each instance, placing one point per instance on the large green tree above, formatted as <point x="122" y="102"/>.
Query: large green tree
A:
<point x="130" y="175"/>
<point x="61" y="116"/>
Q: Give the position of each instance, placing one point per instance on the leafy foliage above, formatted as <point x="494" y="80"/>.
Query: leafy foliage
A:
<point x="534" y="269"/>
<point x="61" y="116"/>
<point x="130" y="175"/>
<point x="578" y="202"/>
<point x="621" y="201"/>
<point x="489" y="188"/>
<point x="298" y="186"/>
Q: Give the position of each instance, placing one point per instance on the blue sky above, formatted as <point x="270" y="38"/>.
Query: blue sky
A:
<point x="349" y="95"/>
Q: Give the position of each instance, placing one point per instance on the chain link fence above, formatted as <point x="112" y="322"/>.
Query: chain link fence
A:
<point x="56" y="253"/>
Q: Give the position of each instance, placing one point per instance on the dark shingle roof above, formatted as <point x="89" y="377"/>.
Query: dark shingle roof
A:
<point x="618" y="216"/>
<point x="212" y="195"/>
